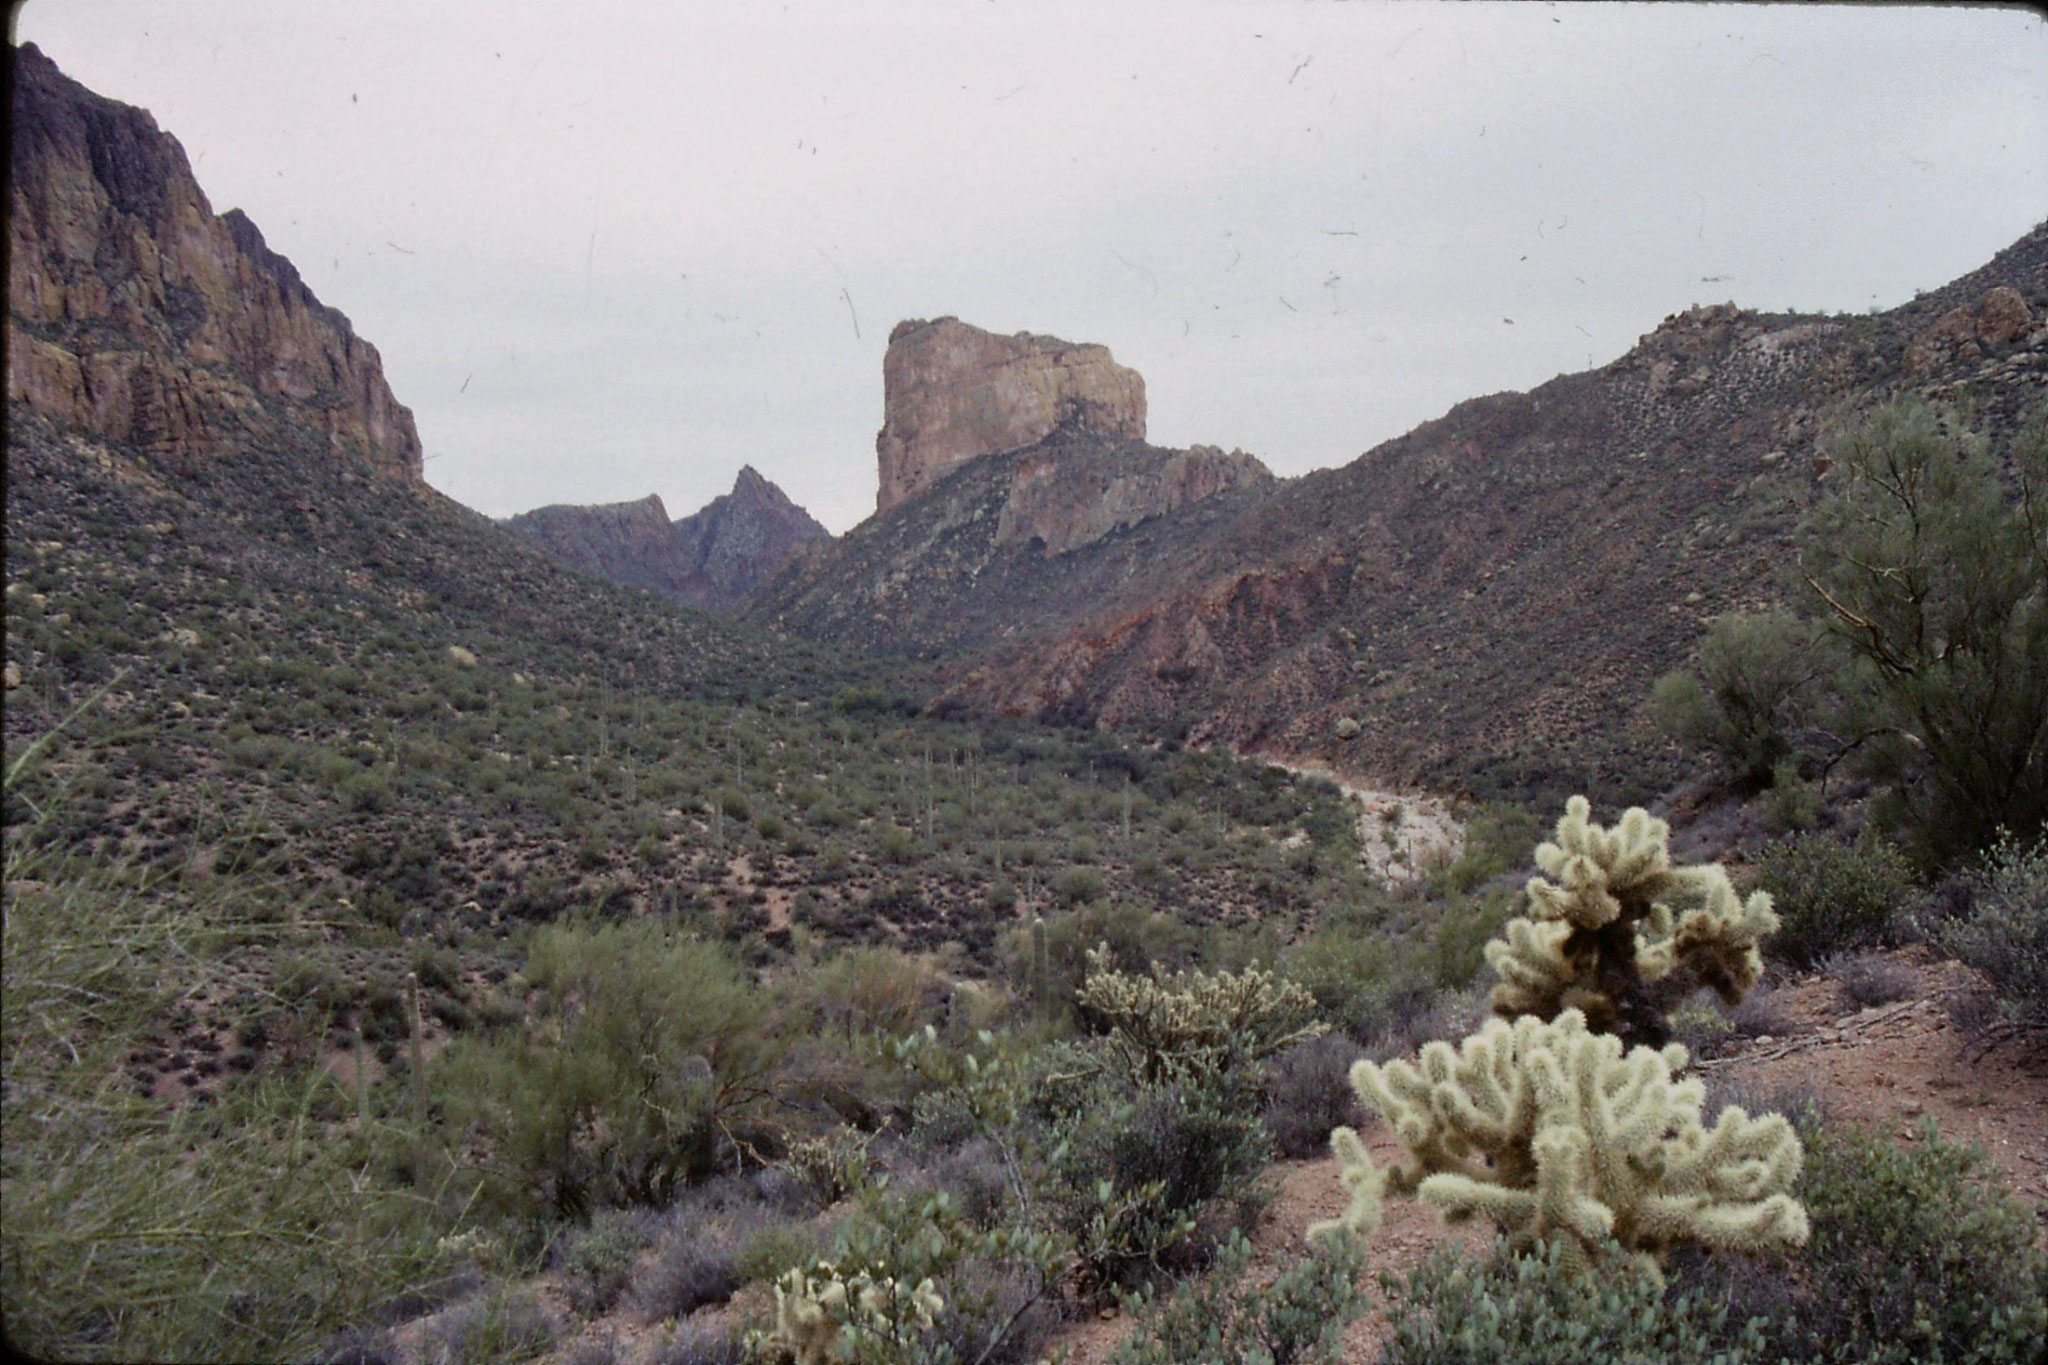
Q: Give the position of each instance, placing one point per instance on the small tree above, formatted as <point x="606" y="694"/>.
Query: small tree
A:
<point x="1931" y="571"/>
<point x="1756" y="674"/>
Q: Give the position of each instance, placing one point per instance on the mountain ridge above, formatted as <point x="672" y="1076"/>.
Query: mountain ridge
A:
<point x="711" y="559"/>
<point x="1369" y="618"/>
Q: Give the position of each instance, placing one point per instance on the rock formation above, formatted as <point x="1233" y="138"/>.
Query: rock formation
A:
<point x="137" y="316"/>
<point x="1061" y="504"/>
<point x="1998" y="318"/>
<point x="711" y="559"/>
<point x="951" y="392"/>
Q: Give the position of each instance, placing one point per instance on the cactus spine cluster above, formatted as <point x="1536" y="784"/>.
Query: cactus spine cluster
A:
<point x="1192" y="1024"/>
<point x="1556" y="1134"/>
<point x="1622" y="935"/>
<point x="1553" y="1126"/>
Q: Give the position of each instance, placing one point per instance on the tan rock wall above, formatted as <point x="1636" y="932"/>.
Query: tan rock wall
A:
<point x="152" y="320"/>
<point x="952" y="392"/>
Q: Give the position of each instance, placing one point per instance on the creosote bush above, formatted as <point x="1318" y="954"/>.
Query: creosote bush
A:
<point x="1832" y="896"/>
<point x="1745" y="701"/>
<point x="2005" y="934"/>
<point x="646" y="1061"/>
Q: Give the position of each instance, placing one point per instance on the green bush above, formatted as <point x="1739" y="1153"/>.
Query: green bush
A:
<point x="1916" y="1255"/>
<point x="1359" y="981"/>
<point x="1537" y="1309"/>
<point x="598" y="1264"/>
<point x="2005" y="934"/>
<point x="1831" y="896"/>
<point x="1298" y="1319"/>
<point x="648" y="1052"/>
<point x="1754" y="671"/>
<point x="1149" y="1179"/>
<point x="1930" y="567"/>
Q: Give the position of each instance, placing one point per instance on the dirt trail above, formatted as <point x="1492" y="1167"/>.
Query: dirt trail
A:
<point x="1402" y="836"/>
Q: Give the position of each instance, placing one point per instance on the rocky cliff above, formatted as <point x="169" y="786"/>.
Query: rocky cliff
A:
<point x="710" y="559"/>
<point x="138" y="316"/>
<point x="952" y="392"/>
<point x="1482" y="603"/>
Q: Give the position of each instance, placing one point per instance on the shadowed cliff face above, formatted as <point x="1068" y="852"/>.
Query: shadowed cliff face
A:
<point x="137" y="316"/>
<point x="711" y="559"/>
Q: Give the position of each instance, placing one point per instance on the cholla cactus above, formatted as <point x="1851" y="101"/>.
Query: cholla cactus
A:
<point x="1553" y="1133"/>
<point x="1195" y="1025"/>
<point x="1622" y="935"/>
<point x="825" y="1316"/>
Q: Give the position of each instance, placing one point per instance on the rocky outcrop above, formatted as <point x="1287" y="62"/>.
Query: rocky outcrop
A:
<point x="711" y="559"/>
<point x="137" y="316"/>
<point x="1999" y="318"/>
<point x="1062" y="505"/>
<point x="952" y="392"/>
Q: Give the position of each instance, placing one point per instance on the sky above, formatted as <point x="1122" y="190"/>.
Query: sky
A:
<point x="623" y="247"/>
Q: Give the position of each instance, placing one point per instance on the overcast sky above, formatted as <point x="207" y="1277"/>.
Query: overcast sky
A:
<point x="623" y="247"/>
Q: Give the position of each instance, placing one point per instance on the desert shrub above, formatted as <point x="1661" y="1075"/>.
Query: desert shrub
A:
<point x="1457" y="945"/>
<point x="1298" y="1319"/>
<point x="1831" y="896"/>
<point x="1916" y="1254"/>
<point x="1754" y="672"/>
<point x="1764" y="1012"/>
<point x="1793" y="803"/>
<point x="1358" y="980"/>
<point x="698" y="1258"/>
<point x="772" y="1246"/>
<point x="1868" y="978"/>
<point x="1148" y="1179"/>
<point x="859" y="990"/>
<point x="650" y="1049"/>
<point x="1537" y="1308"/>
<point x="133" y="1230"/>
<point x="1307" y="1095"/>
<point x="698" y="1343"/>
<point x="597" y="1264"/>
<point x="507" y="1325"/>
<point x="2005" y="933"/>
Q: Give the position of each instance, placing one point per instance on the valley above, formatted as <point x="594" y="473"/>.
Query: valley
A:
<point x="617" y="939"/>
